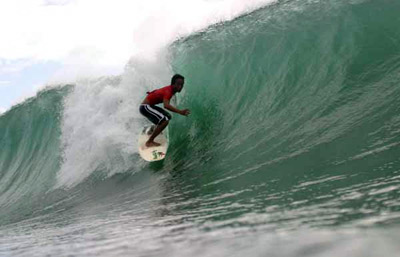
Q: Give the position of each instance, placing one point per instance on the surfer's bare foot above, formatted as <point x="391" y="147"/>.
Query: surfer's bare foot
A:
<point x="152" y="144"/>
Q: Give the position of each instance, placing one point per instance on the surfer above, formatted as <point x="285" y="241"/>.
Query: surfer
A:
<point x="158" y="115"/>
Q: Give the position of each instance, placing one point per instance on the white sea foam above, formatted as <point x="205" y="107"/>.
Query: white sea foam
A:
<point x="101" y="119"/>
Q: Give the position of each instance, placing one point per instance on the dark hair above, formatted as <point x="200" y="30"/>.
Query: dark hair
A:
<point x="175" y="78"/>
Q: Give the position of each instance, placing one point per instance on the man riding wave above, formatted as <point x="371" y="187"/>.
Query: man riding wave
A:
<point x="158" y="115"/>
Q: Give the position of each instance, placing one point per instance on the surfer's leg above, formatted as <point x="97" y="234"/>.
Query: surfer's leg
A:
<point x="160" y="127"/>
<point x="159" y="117"/>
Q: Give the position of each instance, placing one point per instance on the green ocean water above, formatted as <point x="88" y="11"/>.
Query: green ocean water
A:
<point x="292" y="147"/>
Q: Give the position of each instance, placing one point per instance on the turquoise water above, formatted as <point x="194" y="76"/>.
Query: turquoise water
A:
<point x="292" y="147"/>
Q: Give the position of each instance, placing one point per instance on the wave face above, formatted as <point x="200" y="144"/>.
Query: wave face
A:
<point x="297" y="105"/>
<point x="30" y="153"/>
<point x="292" y="147"/>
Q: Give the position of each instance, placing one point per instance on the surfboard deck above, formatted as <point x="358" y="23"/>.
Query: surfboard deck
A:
<point x="156" y="153"/>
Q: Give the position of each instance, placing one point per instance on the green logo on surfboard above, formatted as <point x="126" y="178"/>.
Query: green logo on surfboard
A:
<point x="156" y="154"/>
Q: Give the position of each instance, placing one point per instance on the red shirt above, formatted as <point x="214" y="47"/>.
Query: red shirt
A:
<point x="157" y="96"/>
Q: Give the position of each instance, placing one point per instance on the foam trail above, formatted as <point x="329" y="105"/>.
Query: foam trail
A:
<point x="101" y="121"/>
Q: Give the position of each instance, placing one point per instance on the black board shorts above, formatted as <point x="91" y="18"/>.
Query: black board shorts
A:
<point x="154" y="113"/>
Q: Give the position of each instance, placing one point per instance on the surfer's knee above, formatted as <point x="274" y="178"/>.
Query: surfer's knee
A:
<point x="164" y="121"/>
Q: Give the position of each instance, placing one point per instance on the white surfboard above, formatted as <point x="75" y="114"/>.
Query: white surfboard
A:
<point x="155" y="153"/>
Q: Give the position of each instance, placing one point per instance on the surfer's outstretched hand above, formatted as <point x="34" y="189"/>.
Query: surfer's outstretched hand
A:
<point x="185" y="112"/>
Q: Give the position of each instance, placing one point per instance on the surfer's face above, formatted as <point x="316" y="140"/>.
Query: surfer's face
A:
<point x="179" y="85"/>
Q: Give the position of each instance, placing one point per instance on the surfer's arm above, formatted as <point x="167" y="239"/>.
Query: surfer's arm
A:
<point x="168" y="106"/>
